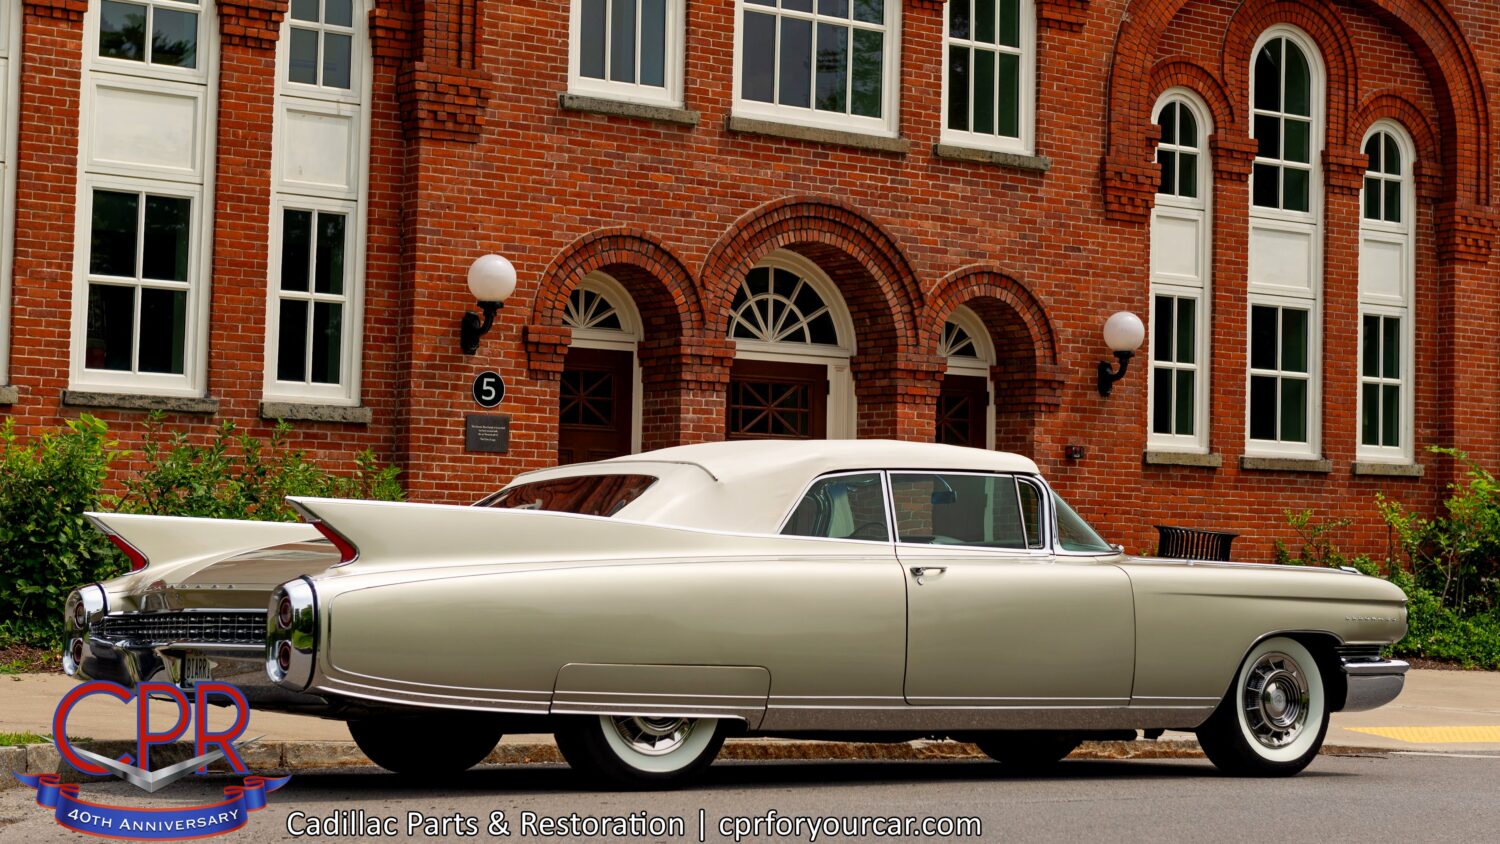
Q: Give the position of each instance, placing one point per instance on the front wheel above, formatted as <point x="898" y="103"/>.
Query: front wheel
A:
<point x="1273" y="719"/>
<point x="426" y="745"/>
<point x="640" y="751"/>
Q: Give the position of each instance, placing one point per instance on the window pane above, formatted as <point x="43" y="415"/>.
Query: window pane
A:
<point x="1296" y="194"/>
<point x="165" y="252"/>
<point x="329" y="273"/>
<point x="1262" y="337"/>
<point x="833" y="67"/>
<point x="1168" y="122"/>
<point x="869" y="11"/>
<point x="305" y="10"/>
<point x="843" y="507"/>
<point x="622" y="41"/>
<point x="112" y="233"/>
<point x="1187" y="313"/>
<point x="1293" y="410"/>
<point x="984" y="91"/>
<point x="1267" y="186"/>
<point x="1187" y="131"/>
<point x="1161" y="401"/>
<point x="296" y="249"/>
<point x="1010" y="95"/>
<point x="1298" y="82"/>
<point x="653" y="42"/>
<point x="1187" y="180"/>
<point x="1390" y="347"/>
<point x="1031" y="514"/>
<point x="328" y="328"/>
<point x="1369" y="414"/>
<point x="1267" y="136"/>
<point x="757" y="54"/>
<point x="336" y="60"/>
<point x="1372" y="151"/>
<point x="303" y="61"/>
<point x="797" y="5"/>
<point x="1372" y="198"/>
<point x="1010" y="23"/>
<point x="1392" y="156"/>
<point x="984" y="20"/>
<point x="794" y="85"/>
<point x="163" y="330"/>
<point x="1161" y="340"/>
<point x="958" y="18"/>
<point x="1393" y="202"/>
<point x="1390" y="416"/>
<point x="1293" y="340"/>
<point x="1370" y="329"/>
<point x="1075" y="534"/>
<point x="834" y="8"/>
<point x="1268" y="76"/>
<point x="291" y="346"/>
<point x="1005" y="530"/>
<point x="111" y="327"/>
<point x="1184" y="422"/>
<point x="591" y="39"/>
<point x="1298" y="141"/>
<point x="869" y="69"/>
<point x="338" y="12"/>
<point x="1262" y="407"/>
<point x="1168" y="160"/>
<point x="122" y="31"/>
<point x="958" y="86"/>
<point x="174" y="38"/>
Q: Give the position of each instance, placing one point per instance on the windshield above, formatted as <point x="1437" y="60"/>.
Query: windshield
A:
<point x="589" y="495"/>
<point x="1074" y="534"/>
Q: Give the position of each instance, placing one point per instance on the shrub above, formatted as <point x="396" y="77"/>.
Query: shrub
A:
<point x="46" y="544"/>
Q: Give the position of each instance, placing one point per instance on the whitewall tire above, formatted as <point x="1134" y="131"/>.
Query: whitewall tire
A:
<point x="640" y="751"/>
<point x="1273" y="719"/>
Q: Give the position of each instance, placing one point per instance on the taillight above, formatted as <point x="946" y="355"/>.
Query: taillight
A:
<point x="347" y="552"/>
<point x="284" y="656"/>
<point x="284" y="613"/>
<point x="137" y="559"/>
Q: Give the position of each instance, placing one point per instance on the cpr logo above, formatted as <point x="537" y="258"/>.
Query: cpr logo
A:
<point x="208" y="746"/>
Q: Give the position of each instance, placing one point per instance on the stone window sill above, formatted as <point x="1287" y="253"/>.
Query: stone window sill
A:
<point x="9" y="395"/>
<point x="624" y="108"/>
<point x="996" y="158"/>
<point x="291" y="411"/>
<point x="1308" y="465"/>
<point x="1388" y="470"/>
<point x="857" y="140"/>
<point x="1179" y="458"/>
<point x="136" y="401"/>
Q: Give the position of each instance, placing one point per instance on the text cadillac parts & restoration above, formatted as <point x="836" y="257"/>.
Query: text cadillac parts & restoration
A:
<point x="645" y="607"/>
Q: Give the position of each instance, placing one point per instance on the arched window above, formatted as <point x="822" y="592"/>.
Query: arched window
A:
<point x="1181" y="266"/>
<point x="966" y="407"/>
<point x="776" y="305"/>
<point x="989" y="73"/>
<point x="1286" y="246"/>
<point x="1386" y="288"/>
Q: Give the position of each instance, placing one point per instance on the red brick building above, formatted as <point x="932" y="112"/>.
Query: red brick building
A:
<point x="873" y="218"/>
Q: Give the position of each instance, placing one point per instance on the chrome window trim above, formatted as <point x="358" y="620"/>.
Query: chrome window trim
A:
<point x="885" y="490"/>
<point x="1056" y="544"/>
<point x="1044" y="551"/>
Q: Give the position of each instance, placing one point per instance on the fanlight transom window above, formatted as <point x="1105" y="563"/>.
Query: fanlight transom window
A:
<point x="776" y="305"/>
<point x="957" y="343"/>
<point x="590" y="309"/>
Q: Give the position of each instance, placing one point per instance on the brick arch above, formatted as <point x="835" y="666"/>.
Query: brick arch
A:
<point x="658" y="282"/>
<point x="869" y="267"/>
<point x="1181" y="72"/>
<point x="1400" y="107"/>
<point x="1428" y="26"/>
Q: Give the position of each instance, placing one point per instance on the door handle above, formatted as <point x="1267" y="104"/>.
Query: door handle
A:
<point x="920" y="572"/>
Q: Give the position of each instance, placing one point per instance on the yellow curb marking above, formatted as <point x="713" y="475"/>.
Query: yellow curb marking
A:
<point x="1434" y="735"/>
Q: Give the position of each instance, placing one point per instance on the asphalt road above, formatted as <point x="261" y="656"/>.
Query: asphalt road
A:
<point x="1396" y="797"/>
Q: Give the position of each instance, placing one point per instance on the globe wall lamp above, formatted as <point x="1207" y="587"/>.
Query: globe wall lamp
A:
<point x="491" y="279"/>
<point x="1124" y="333"/>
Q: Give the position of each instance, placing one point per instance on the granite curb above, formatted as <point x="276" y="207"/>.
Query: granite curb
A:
<point x="290" y="756"/>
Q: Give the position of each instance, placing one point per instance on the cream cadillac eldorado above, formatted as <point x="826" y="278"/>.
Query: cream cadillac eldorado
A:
<point x="643" y="608"/>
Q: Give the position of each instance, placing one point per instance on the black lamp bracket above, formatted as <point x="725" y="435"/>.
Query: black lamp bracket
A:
<point x="473" y="328"/>
<point x="1108" y="376"/>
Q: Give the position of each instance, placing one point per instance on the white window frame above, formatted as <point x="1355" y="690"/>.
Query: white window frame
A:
<point x="626" y="339"/>
<point x="887" y="125"/>
<point x="1199" y="288"/>
<point x="1309" y="224"/>
<point x="10" y="90"/>
<point x="1402" y="306"/>
<point x="669" y="94"/>
<point x="349" y="298"/>
<point x="980" y="366"/>
<point x="1026" y="143"/>
<point x="356" y="102"/>
<point x="196" y="184"/>
<point x="359" y="71"/>
<point x="1314" y="338"/>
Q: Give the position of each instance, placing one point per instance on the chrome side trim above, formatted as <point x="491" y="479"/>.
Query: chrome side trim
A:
<point x="935" y="718"/>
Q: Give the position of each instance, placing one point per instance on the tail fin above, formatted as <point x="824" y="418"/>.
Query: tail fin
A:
<point x="165" y="540"/>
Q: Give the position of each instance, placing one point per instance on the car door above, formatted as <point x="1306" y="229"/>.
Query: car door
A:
<point x="994" y="617"/>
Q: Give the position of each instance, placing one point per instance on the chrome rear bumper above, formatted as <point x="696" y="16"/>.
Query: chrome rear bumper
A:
<point x="1372" y="683"/>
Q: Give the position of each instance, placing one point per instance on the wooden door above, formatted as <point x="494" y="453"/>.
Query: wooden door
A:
<point x="961" y="411"/>
<point x="594" y="408"/>
<point x="777" y="401"/>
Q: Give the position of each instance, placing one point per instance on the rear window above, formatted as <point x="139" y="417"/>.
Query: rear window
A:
<point x="588" y="495"/>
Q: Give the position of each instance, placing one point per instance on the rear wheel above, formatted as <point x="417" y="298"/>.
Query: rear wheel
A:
<point x="1273" y="720"/>
<point x="639" y="751"/>
<point x="1028" y="751"/>
<point x="427" y="745"/>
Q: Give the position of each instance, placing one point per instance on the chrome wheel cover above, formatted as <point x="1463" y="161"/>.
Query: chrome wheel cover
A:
<point x="653" y="736"/>
<point x="1276" y="700"/>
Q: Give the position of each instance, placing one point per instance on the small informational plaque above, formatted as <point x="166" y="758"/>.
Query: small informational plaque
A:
<point x="487" y="432"/>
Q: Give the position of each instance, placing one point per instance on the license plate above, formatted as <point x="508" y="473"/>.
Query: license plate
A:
<point x="196" y="669"/>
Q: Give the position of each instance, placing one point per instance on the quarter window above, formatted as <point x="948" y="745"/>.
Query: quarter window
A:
<point x="160" y="33"/>
<point x="842" y="507"/>
<point x="989" y="66"/>
<point x="313" y="296"/>
<point x="587" y="495"/>
<point x="139" y="283"/>
<point x="983" y="511"/>
<point x="1279" y="374"/>
<point x="1283" y="127"/>
<point x="321" y="45"/>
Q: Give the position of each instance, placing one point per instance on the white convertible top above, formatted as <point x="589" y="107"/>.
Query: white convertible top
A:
<point x="749" y="459"/>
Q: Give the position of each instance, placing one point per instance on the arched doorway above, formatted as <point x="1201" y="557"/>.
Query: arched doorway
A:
<point x="966" y="407"/>
<point x="599" y="396"/>
<point x="793" y="340"/>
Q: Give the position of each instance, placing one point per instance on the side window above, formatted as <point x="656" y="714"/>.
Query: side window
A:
<point x="982" y="511"/>
<point x="1031" y="513"/>
<point x="842" y="507"/>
